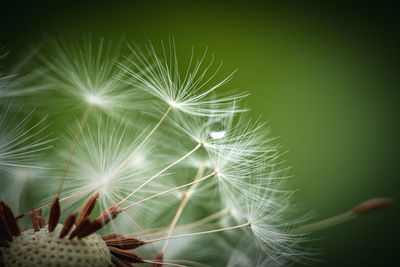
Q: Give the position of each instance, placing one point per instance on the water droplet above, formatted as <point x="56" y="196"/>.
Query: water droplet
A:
<point x="217" y="130"/>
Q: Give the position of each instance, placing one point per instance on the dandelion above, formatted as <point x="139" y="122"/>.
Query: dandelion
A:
<point x="85" y="79"/>
<point x="184" y="188"/>
<point x="83" y="75"/>
<point x="190" y="91"/>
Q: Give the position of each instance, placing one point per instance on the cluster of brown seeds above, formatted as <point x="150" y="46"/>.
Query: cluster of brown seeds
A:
<point x="44" y="248"/>
<point x="73" y="244"/>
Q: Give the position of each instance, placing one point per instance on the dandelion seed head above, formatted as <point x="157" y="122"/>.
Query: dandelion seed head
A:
<point x="42" y="248"/>
<point x="202" y="152"/>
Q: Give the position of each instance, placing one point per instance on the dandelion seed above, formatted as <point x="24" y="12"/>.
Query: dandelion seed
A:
<point x="159" y="76"/>
<point x="85" y="76"/>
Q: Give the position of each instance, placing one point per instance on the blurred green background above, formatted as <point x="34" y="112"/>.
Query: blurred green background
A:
<point x="325" y="74"/>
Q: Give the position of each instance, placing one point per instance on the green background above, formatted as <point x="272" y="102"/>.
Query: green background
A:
<point x="325" y="74"/>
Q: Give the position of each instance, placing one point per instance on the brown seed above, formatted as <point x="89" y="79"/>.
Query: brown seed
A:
<point x="35" y="222"/>
<point x="4" y="229"/>
<point x="69" y="222"/>
<point x="119" y="263"/>
<point x="126" y="255"/>
<point x="125" y="243"/>
<point x="91" y="228"/>
<point x="159" y="258"/>
<point x="109" y="214"/>
<point x="79" y="228"/>
<point x="42" y="221"/>
<point x="111" y="236"/>
<point x="10" y="218"/>
<point x="88" y="208"/>
<point x="54" y="216"/>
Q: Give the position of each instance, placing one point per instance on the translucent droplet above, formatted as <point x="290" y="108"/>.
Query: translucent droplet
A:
<point x="217" y="130"/>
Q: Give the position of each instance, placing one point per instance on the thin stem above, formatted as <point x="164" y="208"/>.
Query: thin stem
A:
<point x="141" y="144"/>
<point x="182" y="205"/>
<point x="326" y="223"/>
<point x="200" y="233"/>
<point x="175" y="220"/>
<point x="159" y="173"/>
<point x="205" y="220"/>
<point x="73" y="147"/>
<point x="161" y="230"/>
<point x="155" y="127"/>
<point x="65" y="198"/>
<point x="164" y="263"/>
<point x="170" y="190"/>
<point x="191" y="263"/>
<point x="362" y="208"/>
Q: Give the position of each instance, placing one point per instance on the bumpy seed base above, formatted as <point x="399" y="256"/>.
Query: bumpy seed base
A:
<point x="47" y="249"/>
